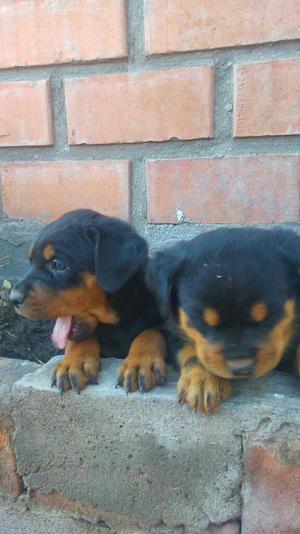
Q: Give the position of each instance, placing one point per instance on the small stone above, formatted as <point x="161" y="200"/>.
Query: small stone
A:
<point x="180" y="216"/>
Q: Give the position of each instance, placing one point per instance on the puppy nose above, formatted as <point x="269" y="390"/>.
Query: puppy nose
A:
<point x="242" y="367"/>
<point x="16" y="296"/>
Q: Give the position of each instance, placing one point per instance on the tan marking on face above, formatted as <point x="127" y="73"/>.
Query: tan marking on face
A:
<point x="272" y="349"/>
<point x="88" y="299"/>
<point x="48" y="252"/>
<point x="269" y="352"/>
<point x="259" y="311"/>
<point x="210" y="354"/>
<point x="211" y="316"/>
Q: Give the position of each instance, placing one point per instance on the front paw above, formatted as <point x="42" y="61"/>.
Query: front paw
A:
<point x="200" y="389"/>
<point x="145" y="364"/>
<point x="142" y="374"/>
<point x="79" y="367"/>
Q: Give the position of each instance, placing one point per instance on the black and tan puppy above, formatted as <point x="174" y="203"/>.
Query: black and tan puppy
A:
<point x="231" y="300"/>
<point x="87" y="271"/>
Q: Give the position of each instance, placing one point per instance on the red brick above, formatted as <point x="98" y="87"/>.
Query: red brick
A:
<point x="25" y="114"/>
<point x="51" y="31"/>
<point x="121" y="523"/>
<point x="267" y="98"/>
<point x="272" y="494"/>
<point x="148" y="106"/>
<point x="11" y="483"/>
<point x="179" y="25"/>
<point x="224" y="190"/>
<point x="45" y="190"/>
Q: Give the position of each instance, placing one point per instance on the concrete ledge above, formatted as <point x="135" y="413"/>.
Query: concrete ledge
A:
<point x="145" y="464"/>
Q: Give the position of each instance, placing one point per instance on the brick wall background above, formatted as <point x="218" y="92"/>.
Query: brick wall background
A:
<point x="173" y="114"/>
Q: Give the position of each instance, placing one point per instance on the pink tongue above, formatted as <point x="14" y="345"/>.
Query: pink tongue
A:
<point x="61" y="331"/>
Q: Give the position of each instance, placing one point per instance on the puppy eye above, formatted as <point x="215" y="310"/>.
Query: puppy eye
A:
<point x="57" y="265"/>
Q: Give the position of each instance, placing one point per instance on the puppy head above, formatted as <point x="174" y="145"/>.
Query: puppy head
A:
<point x="232" y="292"/>
<point x="77" y="261"/>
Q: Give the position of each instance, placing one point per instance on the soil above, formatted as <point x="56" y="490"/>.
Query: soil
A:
<point x="22" y="338"/>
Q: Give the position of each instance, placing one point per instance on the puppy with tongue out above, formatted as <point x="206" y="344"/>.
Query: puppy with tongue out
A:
<point x="61" y="330"/>
<point x="87" y="272"/>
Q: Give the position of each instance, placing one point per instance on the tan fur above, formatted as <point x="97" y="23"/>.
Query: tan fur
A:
<point x="259" y="311"/>
<point x="269" y="353"/>
<point x="146" y="357"/>
<point x="211" y="316"/>
<point x="197" y="387"/>
<point x="88" y="299"/>
<point x="48" y="252"/>
<point x="209" y="354"/>
<point x="81" y="360"/>
<point x="272" y="349"/>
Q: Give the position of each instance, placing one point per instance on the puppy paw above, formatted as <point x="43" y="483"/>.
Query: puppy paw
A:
<point x="145" y="364"/>
<point x="79" y="367"/>
<point x="200" y="389"/>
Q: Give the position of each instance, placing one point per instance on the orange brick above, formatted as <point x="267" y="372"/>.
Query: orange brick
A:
<point x="179" y="25"/>
<point x="41" y="32"/>
<point x="249" y="189"/>
<point x="25" y="113"/>
<point x="267" y="98"/>
<point x="10" y="481"/>
<point x="271" y="491"/>
<point x="148" y="106"/>
<point x="45" y="190"/>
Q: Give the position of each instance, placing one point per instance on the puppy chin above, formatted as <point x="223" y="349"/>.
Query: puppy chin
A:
<point x="80" y="330"/>
<point x="221" y="372"/>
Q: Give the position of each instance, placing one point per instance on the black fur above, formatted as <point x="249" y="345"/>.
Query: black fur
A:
<point x="88" y="242"/>
<point x="229" y="269"/>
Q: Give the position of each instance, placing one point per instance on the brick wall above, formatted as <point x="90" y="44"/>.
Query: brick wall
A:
<point x="172" y="114"/>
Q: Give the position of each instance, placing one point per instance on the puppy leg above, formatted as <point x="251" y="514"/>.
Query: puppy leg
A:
<point x="145" y="364"/>
<point x="80" y="366"/>
<point x="197" y="387"/>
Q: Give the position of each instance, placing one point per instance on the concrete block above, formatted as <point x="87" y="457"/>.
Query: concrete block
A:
<point x="143" y="456"/>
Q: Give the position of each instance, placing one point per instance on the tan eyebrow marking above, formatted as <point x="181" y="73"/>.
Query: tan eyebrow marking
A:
<point x="211" y="316"/>
<point x="259" y="311"/>
<point x="48" y="252"/>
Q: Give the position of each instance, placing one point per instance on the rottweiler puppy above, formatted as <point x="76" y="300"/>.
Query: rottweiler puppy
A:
<point x="87" y="271"/>
<point x="230" y="299"/>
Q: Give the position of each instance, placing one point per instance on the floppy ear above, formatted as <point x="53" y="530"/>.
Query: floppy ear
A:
<point x="119" y="253"/>
<point x="161" y="276"/>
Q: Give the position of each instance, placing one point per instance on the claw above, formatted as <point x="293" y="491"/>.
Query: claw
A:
<point x="208" y="400"/>
<point x="180" y="399"/>
<point x="197" y="403"/>
<point x="74" y="384"/>
<point x="53" y="381"/>
<point x="141" y="379"/>
<point x="119" y="382"/>
<point x="61" y="385"/>
<point x="161" y="380"/>
<point x="93" y="380"/>
<point x="128" y="387"/>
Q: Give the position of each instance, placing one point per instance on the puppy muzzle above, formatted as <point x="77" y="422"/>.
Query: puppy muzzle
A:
<point x="242" y="367"/>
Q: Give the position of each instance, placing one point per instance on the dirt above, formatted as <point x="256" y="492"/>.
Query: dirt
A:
<point x="22" y="338"/>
